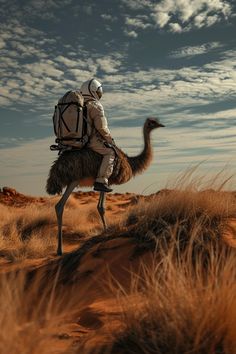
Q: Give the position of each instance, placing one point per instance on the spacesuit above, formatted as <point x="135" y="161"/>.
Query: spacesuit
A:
<point x="99" y="132"/>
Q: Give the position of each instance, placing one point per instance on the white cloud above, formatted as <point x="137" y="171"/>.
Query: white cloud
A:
<point x="227" y="113"/>
<point x="197" y="13"/>
<point x="66" y="61"/>
<point x="211" y="20"/>
<point x="32" y="68"/>
<point x="2" y="43"/>
<point x="44" y="73"/>
<point x="191" y="51"/>
<point x="180" y="15"/>
<point x="136" y="22"/>
<point x="175" y="27"/>
<point x="43" y="9"/>
<point x="155" y="89"/>
<point x="50" y="74"/>
<point x="161" y="18"/>
<point x="4" y="101"/>
<point x="27" y="50"/>
<point x="7" y="62"/>
<point x="108" y="64"/>
<point x="136" y="4"/>
<point x="109" y="17"/>
<point x="81" y="75"/>
<point x="131" y="34"/>
<point x="44" y="67"/>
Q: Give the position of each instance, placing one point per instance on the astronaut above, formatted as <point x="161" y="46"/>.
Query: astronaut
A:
<point x="100" y="136"/>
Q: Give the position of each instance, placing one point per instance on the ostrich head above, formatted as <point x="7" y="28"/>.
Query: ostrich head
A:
<point x="152" y="123"/>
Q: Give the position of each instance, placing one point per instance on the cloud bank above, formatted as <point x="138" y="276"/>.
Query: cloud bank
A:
<point x="179" y="15"/>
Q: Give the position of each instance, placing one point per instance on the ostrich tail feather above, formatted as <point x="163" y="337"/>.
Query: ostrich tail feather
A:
<point x="53" y="185"/>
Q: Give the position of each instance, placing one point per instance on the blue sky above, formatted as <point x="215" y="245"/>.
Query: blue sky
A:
<point x="171" y="59"/>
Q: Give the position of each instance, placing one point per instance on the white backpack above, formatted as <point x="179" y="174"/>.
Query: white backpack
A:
<point x="70" y="120"/>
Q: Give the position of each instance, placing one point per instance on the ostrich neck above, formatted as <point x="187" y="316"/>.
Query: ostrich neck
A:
<point x="141" y="162"/>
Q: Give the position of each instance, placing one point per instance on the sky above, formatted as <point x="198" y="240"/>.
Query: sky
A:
<point x="171" y="59"/>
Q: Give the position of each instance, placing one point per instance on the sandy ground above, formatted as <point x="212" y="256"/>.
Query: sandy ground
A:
<point x="95" y="270"/>
<point x="98" y="313"/>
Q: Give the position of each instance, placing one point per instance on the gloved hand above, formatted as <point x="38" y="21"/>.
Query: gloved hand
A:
<point x="110" y="145"/>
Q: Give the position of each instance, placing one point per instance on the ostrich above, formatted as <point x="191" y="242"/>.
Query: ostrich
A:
<point x="79" y="168"/>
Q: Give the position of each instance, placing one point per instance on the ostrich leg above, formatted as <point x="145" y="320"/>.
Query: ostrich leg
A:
<point x="59" y="211"/>
<point x="101" y="208"/>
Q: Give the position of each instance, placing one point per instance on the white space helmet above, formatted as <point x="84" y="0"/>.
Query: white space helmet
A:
<point x="92" y="88"/>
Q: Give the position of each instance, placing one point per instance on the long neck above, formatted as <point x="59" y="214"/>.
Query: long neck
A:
<point x="141" y="162"/>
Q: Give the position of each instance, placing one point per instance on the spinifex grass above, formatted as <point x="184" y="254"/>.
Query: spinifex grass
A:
<point x="184" y="302"/>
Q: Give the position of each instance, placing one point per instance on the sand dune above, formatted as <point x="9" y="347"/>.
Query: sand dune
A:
<point x="120" y="291"/>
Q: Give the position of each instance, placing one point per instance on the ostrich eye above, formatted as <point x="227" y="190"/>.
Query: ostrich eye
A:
<point x="151" y="123"/>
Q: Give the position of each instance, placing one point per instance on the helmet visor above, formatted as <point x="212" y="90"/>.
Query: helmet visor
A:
<point x="99" y="92"/>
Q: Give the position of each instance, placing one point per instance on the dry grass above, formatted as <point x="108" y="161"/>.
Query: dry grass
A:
<point x="181" y="302"/>
<point x="170" y="311"/>
<point x="26" y="233"/>
<point x="31" y="318"/>
<point x="185" y="301"/>
<point x="175" y="219"/>
<point x="31" y="232"/>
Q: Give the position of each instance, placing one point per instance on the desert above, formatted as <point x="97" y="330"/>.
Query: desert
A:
<point x="117" y="177"/>
<point x="160" y="279"/>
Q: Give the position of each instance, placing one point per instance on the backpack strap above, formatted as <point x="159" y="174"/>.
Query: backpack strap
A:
<point x="69" y="103"/>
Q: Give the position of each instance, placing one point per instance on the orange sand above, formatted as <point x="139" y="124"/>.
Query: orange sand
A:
<point x="97" y="315"/>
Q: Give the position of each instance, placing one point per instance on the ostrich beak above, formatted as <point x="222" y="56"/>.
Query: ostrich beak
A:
<point x="160" y="125"/>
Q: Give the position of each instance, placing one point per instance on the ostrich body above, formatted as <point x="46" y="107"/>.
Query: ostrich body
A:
<point x="80" y="167"/>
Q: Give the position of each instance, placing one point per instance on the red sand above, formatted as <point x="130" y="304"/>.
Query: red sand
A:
<point x="103" y="265"/>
